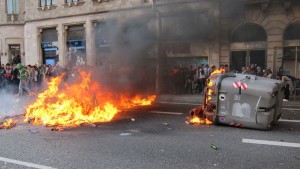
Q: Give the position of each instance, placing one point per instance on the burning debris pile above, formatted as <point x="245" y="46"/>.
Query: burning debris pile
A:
<point x="85" y="102"/>
<point x="204" y="114"/>
<point x="8" y="124"/>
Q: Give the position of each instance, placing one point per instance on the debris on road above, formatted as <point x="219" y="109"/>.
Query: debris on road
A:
<point x="132" y="119"/>
<point x="89" y="124"/>
<point x="297" y="157"/>
<point x="214" y="146"/>
<point x="58" y="128"/>
<point x="134" y="131"/>
<point x="165" y="124"/>
<point x="125" y="134"/>
<point x="8" y="124"/>
<point x="291" y="129"/>
<point x="33" y="131"/>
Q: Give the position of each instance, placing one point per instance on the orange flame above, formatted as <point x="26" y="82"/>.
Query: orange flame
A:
<point x="79" y="103"/>
<point x="8" y="124"/>
<point x="218" y="71"/>
<point x="198" y="120"/>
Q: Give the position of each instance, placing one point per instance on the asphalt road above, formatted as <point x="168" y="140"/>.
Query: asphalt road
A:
<point x="153" y="137"/>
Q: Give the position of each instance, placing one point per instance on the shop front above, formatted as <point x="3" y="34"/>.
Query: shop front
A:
<point x="76" y="41"/>
<point x="49" y="46"/>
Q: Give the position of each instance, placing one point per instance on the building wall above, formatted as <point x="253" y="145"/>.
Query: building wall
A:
<point x="274" y="19"/>
<point x="11" y="30"/>
<point x="61" y="16"/>
<point x="62" y="9"/>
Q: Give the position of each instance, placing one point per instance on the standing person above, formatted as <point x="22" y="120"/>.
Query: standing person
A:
<point x="202" y="79"/>
<point x="31" y="74"/>
<point x="248" y="71"/>
<point x="42" y="71"/>
<point x="226" y="68"/>
<point x="36" y="77"/>
<point x="259" y="72"/>
<point x="288" y="87"/>
<point x="206" y="71"/>
<point x="269" y="74"/>
<point x="243" y="70"/>
<point x="190" y="79"/>
<point x="71" y="59"/>
<point x="23" y="75"/>
<point x="15" y="79"/>
<point x="197" y="80"/>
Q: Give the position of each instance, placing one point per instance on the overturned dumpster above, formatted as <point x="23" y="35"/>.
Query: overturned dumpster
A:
<point x="242" y="100"/>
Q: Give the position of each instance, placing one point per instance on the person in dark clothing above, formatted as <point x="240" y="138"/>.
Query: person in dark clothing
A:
<point x="190" y="79"/>
<point x="259" y="72"/>
<point x="15" y="79"/>
<point x="17" y="59"/>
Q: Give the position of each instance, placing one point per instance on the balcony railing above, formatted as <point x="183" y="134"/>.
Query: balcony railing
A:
<point x="12" y="17"/>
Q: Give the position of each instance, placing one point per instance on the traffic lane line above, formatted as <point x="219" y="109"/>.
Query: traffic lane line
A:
<point x="271" y="143"/>
<point x="164" y="112"/>
<point x="180" y="103"/>
<point x="23" y="163"/>
<point x="292" y="109"/>
<point x="293" y="121"/>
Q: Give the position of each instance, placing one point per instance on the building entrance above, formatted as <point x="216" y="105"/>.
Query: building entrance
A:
<point x="241" y="59"/>
<point x="248" y="46"/>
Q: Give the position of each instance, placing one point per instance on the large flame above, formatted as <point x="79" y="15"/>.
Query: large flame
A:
<point x="84" y="102"/>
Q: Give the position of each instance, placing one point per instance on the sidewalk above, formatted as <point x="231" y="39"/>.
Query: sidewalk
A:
<point x="197" y="99"/>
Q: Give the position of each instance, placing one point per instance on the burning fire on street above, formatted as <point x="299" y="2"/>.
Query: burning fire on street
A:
<point x="205" y="113"/>
<point x="10" y="123"/>
<point x="85" y="102"/>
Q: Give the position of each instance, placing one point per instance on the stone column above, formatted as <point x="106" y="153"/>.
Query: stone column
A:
<point x="62" y="33"/>
<point x="39" y="50"/>
<point x="90" y="43"/>
<point x="214" y="47"/>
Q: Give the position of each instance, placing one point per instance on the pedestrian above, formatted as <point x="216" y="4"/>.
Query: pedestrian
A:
<point x="269" y="74"/>
<point x="259" y="72"/>
<point x="23" y="75"/>
<point x="248" y="71"/>
<point x="288" y="86"/>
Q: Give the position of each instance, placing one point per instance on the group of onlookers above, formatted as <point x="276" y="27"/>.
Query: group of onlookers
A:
<point x="192" y="79"/>
<point x="189" y="79"/>
<point x="32" y="77"/>
<point x="256" y="70"/>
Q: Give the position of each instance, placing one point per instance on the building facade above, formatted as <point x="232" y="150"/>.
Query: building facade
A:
<point x="189" y="32"/>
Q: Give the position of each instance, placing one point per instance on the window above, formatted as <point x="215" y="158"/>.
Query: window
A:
<point x="70" y="1"/>
<point x="12" y="6"/>
<point x="47" y="2"/>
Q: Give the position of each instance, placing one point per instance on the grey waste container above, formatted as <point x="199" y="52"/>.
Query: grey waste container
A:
<point x="247" y="100"/>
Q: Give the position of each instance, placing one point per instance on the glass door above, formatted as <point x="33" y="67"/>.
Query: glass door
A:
<point x="238" y="60"/>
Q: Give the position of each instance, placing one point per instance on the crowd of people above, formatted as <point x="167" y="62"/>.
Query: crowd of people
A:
<point x="14" y="78"/>
<point x="191" y="79"/>
<point x="185" y="80"/>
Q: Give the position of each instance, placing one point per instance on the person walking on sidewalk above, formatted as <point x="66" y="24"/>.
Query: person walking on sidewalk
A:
<point x="23" y="75"/>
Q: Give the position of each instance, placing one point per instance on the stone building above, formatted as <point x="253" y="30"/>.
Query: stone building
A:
<point x="188" y="32"/>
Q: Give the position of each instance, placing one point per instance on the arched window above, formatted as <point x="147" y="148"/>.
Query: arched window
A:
<point x="292" y="32"/>
<point x="248" y="32"/>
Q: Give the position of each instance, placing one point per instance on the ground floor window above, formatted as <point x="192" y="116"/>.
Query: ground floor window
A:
<point x="291" y="56"/>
